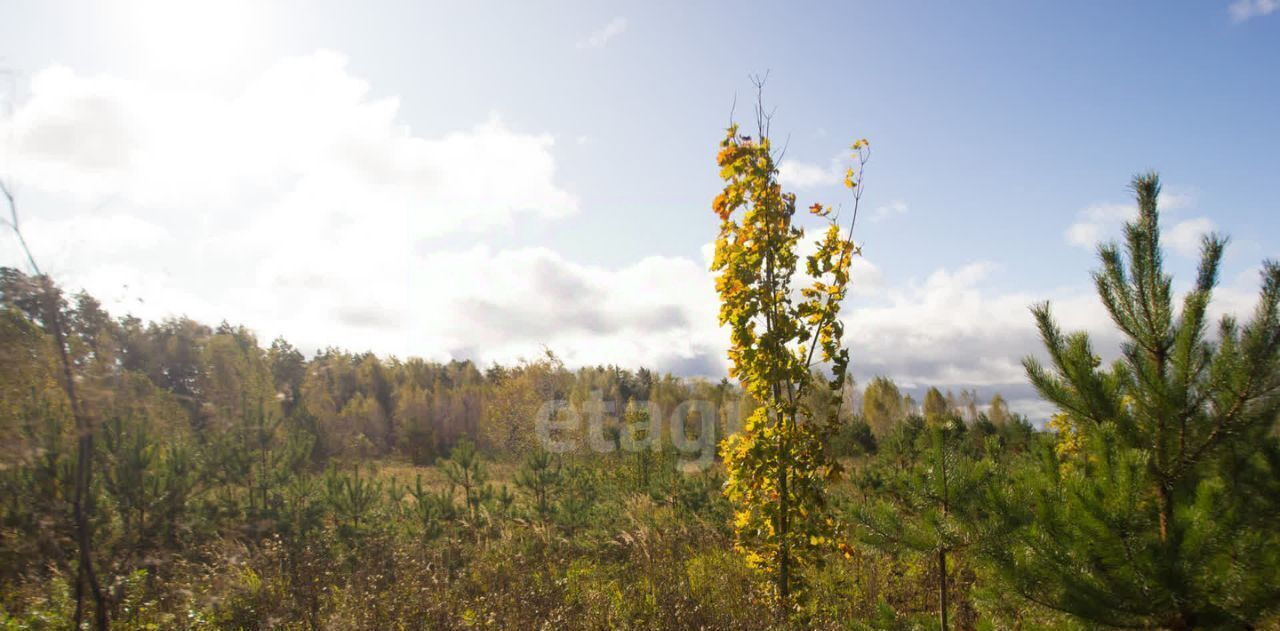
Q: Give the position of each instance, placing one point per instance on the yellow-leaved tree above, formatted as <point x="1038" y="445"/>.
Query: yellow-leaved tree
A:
<point x="777" y="465"/>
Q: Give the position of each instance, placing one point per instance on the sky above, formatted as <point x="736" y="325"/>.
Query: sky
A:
<point x="483" y="180"/>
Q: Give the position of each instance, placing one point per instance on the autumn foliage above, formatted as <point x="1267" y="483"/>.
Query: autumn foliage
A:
<point x="782" y="324"/>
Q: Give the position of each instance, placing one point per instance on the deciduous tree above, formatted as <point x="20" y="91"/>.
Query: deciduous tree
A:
<point x="882" y="405"/>
<point x="778" y="463"/>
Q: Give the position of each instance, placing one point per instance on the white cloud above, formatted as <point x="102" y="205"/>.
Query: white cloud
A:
<point x="896" y="207"/>
<point x="805" y="175"/>
<point x="300" y="205"/>
<point x="1175" y="201"/>
<point x="658" y="311"/>
<point x="865" y="277"/>
<point x="954" y="331"/>
<point x="1185" y="236"/>
<point x="306" y="130"/>
<point x="1084" y="234"/>
<point x="1094" y="221"/>
<point x="361" y="289"/>
<point x="950" y="329"/>
<point x="105" y="234"/>
<point x="1242" y="10"/>
<point x="1102" y="221"/>
<point x="601" y="36"/>
<point x="303" y="206"/>
<point x="1097" y="220"/>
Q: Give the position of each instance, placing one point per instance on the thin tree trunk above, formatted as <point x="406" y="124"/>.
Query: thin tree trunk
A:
<point x="84" y="462"/>
<point x="784" y="505"/>
<point x="942" y="551"/>
<point x="84" y="435"/>
<point x="942" y="587"/>
<point x="1166" y="511"/>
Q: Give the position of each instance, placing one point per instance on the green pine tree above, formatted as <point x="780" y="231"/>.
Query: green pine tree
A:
<point x="540" y="476"/>
<point x="926" y="508"/>
<point x="465" y="469"/>
<point x="1159" y="506"/>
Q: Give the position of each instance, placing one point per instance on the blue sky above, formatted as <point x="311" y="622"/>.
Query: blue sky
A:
<point x="562" y="154"/>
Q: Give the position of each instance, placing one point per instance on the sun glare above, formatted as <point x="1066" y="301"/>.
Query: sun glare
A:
<point x="191" y="37"/>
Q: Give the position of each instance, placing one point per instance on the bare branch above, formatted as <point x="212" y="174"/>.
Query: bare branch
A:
<point x="17" y="230"/>
<point x="85" y="575"/>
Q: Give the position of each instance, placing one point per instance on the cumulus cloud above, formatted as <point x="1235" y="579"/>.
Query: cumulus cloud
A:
<point x="1093" y="221"/>
<point x="1102" y="221"/>
<point x="601" y="36"/>
<point x="1084" y="234"/>
<point x="803" y="175"/>
<point x="865" y="277"/>
<point x="1186" y="236"/>
<point x="300" y="205"/>
<point x="659" y="311"/>
<point x="376" y="292"/>
<point x="950" y="329"/>
<point x="896" y="207"/>
<point x="306" y="126"/>
<point x="304" y="206"/>
<point x="1242" y="10"/>
<point x="806" y="175"/>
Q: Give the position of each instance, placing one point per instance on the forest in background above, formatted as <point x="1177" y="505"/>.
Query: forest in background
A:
<point x="231" y="478"/>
